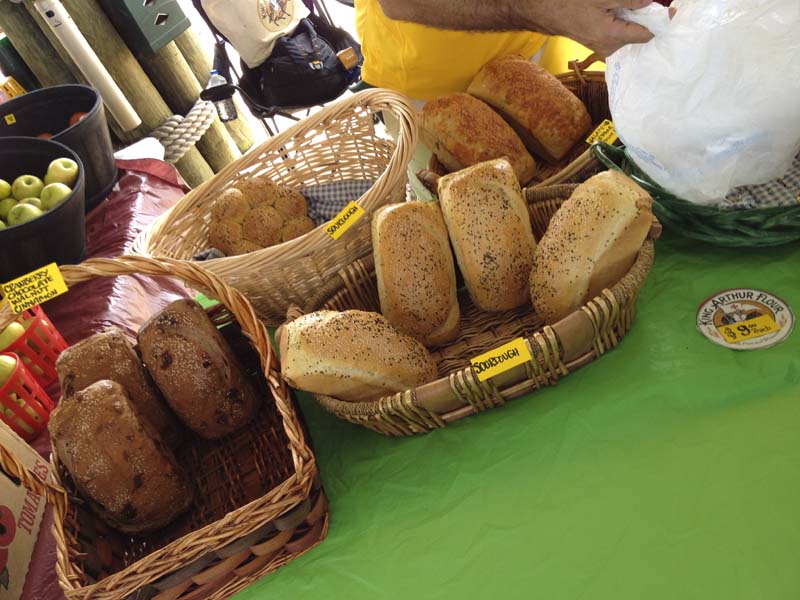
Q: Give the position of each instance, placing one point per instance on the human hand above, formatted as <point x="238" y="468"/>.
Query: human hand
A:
<point x="590" y="22"/>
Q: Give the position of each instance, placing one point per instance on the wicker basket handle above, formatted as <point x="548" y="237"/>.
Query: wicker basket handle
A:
<point x="52" y="493"/>
<point x="579" y="66"/>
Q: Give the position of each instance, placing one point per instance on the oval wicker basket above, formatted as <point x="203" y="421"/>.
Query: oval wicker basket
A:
<point x="753" y="227"/>
<point x="339" y="142"/>
<point x="258" y="503"/>
<point x="557" y="350"/>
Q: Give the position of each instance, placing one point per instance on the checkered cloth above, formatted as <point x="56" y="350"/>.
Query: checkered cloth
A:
<point x="780" y="192"/>
<point x="327" y="200"/>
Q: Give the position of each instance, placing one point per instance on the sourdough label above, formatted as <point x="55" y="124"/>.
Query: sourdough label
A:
<point x="34" y="288"/>
<point x="605" y="132"/>
<point x="501" y="359"/>
<point x="745" y="319"/>
<point x="344" y="220"/>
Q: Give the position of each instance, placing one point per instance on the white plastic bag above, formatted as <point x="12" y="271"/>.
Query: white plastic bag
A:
<point x="713" y="101"/>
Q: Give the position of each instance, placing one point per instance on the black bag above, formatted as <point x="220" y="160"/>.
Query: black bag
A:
<point x="303" y="69"/>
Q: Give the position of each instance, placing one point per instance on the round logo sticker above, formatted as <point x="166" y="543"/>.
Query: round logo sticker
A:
<point x="745" y="319"/>
<point x="275" y="15"/>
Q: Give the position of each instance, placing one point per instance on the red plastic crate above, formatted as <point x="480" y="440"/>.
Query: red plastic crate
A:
<point x="40" y="345"/>
<point x="24" y="405"/>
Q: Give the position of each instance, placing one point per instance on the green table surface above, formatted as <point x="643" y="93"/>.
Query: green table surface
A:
<point x="669" y="468"/>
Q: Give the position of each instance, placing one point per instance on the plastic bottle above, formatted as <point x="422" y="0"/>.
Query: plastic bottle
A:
<point x="226" y="109"/>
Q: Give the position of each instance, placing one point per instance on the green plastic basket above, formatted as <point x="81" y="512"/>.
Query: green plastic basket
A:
<point x="722" y="227"/>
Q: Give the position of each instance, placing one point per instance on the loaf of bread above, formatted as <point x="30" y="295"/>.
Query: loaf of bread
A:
<point x="255" y="214"/>
<point x="109" y="355"/>
<point x="490" y="228"/>
<point x="548" y="117"/>
<point x="117" y="459"/>
<point x="590" y="244"/>
<point x="415" y="271"/>
<point x="463" y="131"/>
<point x="352" y="355"/>
<point x="196" y="370"/>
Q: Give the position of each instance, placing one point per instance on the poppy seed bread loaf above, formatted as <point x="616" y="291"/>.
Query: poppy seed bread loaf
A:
<point x="590" y="244"/>
<point x="490" y="228"/>
<point x="352" y="355"/>
<point x="415" y="271"/>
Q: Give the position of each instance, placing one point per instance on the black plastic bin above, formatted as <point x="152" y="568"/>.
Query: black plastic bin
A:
<point x="59" y="235"/>
<point x="49" y="111"/>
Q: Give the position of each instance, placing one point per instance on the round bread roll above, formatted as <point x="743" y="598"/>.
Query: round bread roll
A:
<point x="463" y="131"/>
<point x="590" y="244"/>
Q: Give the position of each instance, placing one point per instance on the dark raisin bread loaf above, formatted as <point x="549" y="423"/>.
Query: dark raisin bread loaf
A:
<point x="196" y="370"/>
<point x="109" y="355"/>
<point x="117" y="460"/>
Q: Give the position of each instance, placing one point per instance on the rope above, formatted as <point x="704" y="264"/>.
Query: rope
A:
<point x="178" y="134"/>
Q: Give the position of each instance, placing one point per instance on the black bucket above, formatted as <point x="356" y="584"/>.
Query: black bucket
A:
<point x="59" y="235"/>
<point x="48" y="111"/>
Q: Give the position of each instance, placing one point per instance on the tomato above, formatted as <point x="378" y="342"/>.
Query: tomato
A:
<point x="8" y="527"/>
<point x="76" y="117"/>
<point x="45" y="136"/>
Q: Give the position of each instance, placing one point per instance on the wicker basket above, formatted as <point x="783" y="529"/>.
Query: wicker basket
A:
<point x="338" y="143"/>
<point x="258" y="503"/>
<point x="754" y="227"/>
<point x="558" y="350"/>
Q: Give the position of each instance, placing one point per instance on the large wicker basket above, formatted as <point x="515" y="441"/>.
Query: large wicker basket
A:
<point x="557" y="350"/>
<point x="258" y="502"/>
<point x="340" y="142"/>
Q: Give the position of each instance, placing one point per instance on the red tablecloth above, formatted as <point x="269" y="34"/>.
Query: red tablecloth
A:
<point x="146" y="189"/>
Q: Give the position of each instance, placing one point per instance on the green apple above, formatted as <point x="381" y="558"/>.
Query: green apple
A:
<point x="5" y="189"/>
<point x="26" y="186"/>
<point x="53" y="194"/>
<point x="62" y="170"/>
<point x="6" y="204"/>
<point x="10" y="334"/>
<point x="34" y="202"/>
<point x="7" y="366"/>
<point x="3" y="224"/>
<point x="22" y="213"/>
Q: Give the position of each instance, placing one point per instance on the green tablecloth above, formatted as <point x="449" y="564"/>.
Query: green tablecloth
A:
<point x="670" y="468"/>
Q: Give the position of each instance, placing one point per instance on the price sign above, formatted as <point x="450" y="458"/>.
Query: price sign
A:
<point x="605" y="132"/>
<point x="34" y="288"/>
<point x="750" y="329"/>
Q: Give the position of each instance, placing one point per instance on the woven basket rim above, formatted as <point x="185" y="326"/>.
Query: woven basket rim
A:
<point x="277" y="501"/>
<point x="376" y="99"/>
<point x="627" y="287"/>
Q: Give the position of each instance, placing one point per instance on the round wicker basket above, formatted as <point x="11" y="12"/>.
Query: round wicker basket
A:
<point x="753" y="227"/>
<point x="338" y="143"/>
<point x="258" y="502"/>
<point x="557" y="350"/>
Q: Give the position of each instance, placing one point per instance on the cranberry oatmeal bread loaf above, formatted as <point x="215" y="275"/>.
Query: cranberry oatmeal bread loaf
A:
<point x="117" y="460"/>
<point x="109" y="355"/>
<point x="196" y="370"/>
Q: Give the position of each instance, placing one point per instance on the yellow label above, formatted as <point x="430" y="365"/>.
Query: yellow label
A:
<point x="34" y="288"/>
<point x="749" y="330"/>
<point x="344" y="220"/>
<point x="605" y="132"/>
<point x="10" y="119"/>
<point x="12" y="88"/>
<point x="500" y="360"/>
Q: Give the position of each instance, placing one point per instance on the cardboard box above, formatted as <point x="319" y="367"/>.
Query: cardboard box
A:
<point x="21" y="514"/>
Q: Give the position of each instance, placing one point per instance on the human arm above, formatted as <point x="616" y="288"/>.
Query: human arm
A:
<point x="590" y="22"/>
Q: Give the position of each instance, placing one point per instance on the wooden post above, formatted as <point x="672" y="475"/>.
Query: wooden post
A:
<point x="132" y="80"/>
<point x="173" y="77"/>
<point x="199" y="59"/>
<point x="32" y="45"/>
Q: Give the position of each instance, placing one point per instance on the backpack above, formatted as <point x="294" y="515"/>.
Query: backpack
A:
<point x="289" y="59"/>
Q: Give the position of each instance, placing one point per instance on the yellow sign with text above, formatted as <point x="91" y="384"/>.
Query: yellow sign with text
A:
<point x="749" y="330"/>
<point x="34" y="288"/>
<point x="337" y="226"/>
<point x="605" y="132"/>
<point x="10" y="119"/>
<point x="492" y="363"/>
